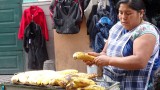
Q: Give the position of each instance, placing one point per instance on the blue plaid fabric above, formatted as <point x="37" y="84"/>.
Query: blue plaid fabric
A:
<point x="129" y="79"/>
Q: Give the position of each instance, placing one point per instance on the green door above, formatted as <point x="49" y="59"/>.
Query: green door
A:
<point x="11" y="53"/>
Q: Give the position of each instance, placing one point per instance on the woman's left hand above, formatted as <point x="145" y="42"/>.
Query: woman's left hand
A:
<point x="102" y="60"/>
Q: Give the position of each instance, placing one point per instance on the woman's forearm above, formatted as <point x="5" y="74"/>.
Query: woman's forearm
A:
<point x="130" y="62"/>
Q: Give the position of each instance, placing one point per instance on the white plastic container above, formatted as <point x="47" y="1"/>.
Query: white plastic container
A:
<point x="92" y="69"/>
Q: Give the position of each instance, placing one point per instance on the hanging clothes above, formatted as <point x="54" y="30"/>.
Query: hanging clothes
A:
<point x="93" y="30"/>
<point x="98" y="33"/>
<point x="85" y="4"/>
<point x="54" y="3"/>
<point x="103" y="25"/>
<point x="36" y="14"/>
<point x="35" y="45"/>
<point x="67" y="17"/>
<point x="89" y="8"/>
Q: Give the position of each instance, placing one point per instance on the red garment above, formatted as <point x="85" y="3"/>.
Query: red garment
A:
<point x="36" y="14"/>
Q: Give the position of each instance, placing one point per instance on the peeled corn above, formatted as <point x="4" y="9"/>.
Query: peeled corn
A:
<point x="68" y="71"/>
<point x="79" y="82"/>
<point x="15" y="79"/>
<point x="83" y="56"/>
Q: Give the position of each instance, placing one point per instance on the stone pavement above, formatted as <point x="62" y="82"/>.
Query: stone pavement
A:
<point x="5" y="78"/>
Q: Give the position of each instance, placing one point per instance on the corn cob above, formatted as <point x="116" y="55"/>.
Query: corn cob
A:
<point x="83" y="56"/>
<point x="68" y="71"/>
<point x="79" y="82"/>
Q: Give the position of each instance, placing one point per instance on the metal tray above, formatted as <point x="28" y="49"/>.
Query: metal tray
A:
<point x="10" y="86"/>
<point x="100" y="81"/>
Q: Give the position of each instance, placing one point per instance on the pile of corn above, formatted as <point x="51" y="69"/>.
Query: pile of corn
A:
<point x="69" y="79"/>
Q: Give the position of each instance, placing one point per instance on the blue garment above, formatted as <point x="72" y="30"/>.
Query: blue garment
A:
<point x="99" y="42"/>
<point x="128" y="49"/>
<point x="92" y="31"/>
<point x="103" y="25"/>
<point x="109" y="18"/>
<point x="113" y="12"/>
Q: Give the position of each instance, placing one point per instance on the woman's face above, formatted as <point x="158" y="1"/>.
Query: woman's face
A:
<point x="128" y="17"/>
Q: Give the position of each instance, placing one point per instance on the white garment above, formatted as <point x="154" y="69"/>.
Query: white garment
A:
<point x="102" y="4"/>
<point x="88" y="10"/>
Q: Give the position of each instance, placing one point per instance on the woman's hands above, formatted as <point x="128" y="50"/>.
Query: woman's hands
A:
<point x="100" y="59"/>
<point x="91" y="62"/>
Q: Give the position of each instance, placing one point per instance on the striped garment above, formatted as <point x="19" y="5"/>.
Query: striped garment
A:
<point x="130" y="79"/>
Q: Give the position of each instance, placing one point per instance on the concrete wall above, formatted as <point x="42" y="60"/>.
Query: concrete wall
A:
<point x="50" y="44"/>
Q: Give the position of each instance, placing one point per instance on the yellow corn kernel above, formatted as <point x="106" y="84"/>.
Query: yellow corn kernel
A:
<point x="83" y="56"/>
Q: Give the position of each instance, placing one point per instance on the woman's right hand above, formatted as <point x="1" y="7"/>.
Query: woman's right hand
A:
<point x="91" y="62"/>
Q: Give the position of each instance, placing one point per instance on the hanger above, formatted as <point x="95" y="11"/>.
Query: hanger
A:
<point x="32" y="18"/>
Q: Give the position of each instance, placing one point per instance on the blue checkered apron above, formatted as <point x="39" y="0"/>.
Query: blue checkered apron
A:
<point x="129" y="79"/>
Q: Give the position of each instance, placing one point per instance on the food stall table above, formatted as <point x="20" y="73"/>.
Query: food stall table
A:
<point x="10" y="86"/>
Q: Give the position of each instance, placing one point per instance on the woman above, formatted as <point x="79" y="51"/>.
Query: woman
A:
<point x="131" y="50"/>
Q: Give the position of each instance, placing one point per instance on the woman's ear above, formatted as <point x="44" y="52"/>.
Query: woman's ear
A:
<point x="142" y="12"/>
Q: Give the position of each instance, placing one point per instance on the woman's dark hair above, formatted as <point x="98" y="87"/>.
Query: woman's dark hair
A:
<point x="133" y="4"/>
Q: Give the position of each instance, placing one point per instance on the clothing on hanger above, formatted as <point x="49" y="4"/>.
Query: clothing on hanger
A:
<point x="34" y="45"/>
<point x="67" y="18"/>
<point x="55" y="2"/>
<point x="36" y="14"/>
<point x="88" y="10"/>
<point x="102" y="4"/>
